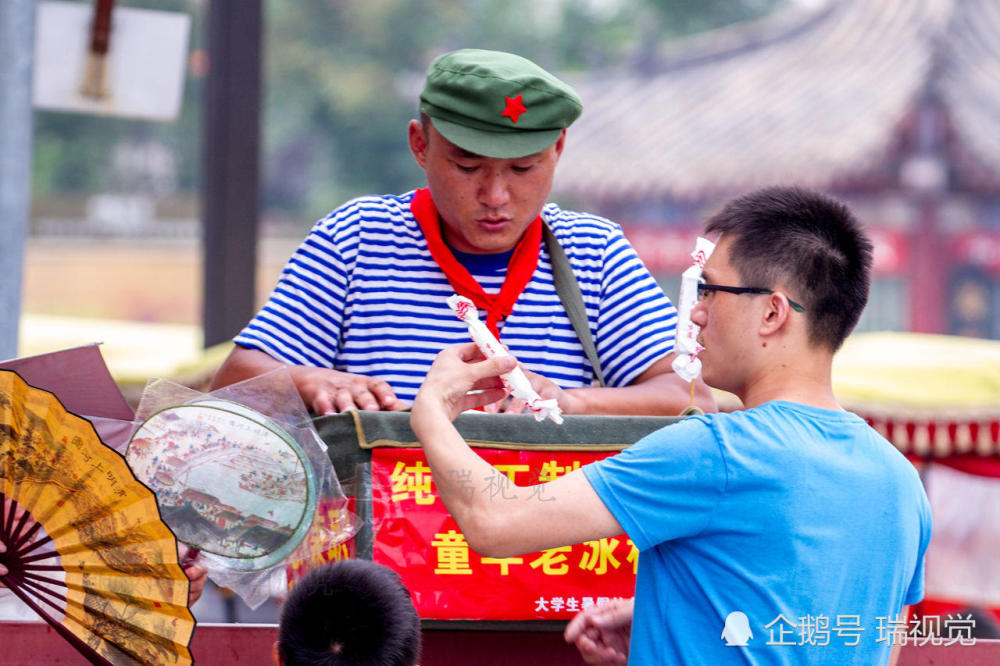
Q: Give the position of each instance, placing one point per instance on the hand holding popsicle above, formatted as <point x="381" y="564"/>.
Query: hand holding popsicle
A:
<point x="515" y="381"/>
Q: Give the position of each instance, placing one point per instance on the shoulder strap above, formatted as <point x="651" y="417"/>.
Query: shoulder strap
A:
<point x="572" y="299"/>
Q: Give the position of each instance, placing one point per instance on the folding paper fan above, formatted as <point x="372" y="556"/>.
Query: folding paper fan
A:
<point x="230" y="481"/>
<point x="86" y="548"/>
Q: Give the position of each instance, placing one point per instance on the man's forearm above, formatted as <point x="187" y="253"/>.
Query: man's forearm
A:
<point x="453" y="464"/>
<point x="661" y="395"/>
<point x="509" y="524"/>
<point x="243" y="363"/>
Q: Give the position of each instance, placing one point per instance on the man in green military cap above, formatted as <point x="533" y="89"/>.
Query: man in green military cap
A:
<point x="360" y="311"/>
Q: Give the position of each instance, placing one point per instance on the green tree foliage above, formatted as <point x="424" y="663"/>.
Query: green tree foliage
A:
<point x="342" y="79"/>
<point x="676" y="18"/>
<point x="73" y="152"/>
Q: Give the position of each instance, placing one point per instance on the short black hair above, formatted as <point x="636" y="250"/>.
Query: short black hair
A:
<point x="349" y="613"/>
<point x="810" y="243"/>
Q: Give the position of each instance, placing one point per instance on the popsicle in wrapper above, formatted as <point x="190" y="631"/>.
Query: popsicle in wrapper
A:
<point x="515" y="381"/>
<point x="686" y="364"/>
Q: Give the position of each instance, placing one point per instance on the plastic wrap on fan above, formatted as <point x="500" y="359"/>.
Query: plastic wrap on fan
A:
<point x="358" y="486"/>
<point x="241" y="474"/>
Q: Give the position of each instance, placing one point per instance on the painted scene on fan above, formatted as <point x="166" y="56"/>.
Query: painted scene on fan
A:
<point x="226" y="483"/>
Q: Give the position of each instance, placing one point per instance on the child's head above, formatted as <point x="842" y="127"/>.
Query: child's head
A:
<point x="349" y="613"/>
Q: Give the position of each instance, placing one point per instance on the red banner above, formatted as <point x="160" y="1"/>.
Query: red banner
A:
<point x="418" y="538"/>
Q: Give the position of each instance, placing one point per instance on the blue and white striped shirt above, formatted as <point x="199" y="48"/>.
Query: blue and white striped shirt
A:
<point x="362" y="294"/>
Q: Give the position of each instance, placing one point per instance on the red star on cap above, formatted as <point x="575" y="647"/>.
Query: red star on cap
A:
<point x="514" y="108"/>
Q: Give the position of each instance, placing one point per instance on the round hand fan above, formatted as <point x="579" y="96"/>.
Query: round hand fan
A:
<point x="229" y="481"/>
<point x="85" y="546"/>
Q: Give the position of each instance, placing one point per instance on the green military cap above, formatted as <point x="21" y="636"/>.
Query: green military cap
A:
<point x="497" y="104"/>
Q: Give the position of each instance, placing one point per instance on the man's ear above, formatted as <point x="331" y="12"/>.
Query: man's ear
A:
<point x="417" y="138"/>
<point x="560" y="144"/>
<point x="776" y="314"/>
<point x="276" y="655"/>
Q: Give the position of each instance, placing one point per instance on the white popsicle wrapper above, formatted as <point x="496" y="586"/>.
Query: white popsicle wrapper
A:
<point x="687" y="365"/>
<point x="515" y="381"/>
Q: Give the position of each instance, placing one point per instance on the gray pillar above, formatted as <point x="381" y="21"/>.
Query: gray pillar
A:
<point x="17" y="45"/>
<point x="231" y="166"/>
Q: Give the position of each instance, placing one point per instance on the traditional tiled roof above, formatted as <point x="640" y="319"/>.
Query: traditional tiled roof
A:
<point x="970" y="79"/>
<point x="812" y="96"/>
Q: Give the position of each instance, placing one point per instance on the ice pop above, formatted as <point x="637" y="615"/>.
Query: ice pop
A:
<point x="515" y="381"/>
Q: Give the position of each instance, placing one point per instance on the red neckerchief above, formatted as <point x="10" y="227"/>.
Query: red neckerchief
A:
<point x="519" y="270"/>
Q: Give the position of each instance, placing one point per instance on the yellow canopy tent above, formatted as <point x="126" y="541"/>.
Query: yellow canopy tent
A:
<point x="937" y="398"/>
<point x="930" y="395"/>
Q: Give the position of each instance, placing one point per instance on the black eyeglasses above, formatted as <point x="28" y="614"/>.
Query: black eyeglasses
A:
<point x="705" y="287"/>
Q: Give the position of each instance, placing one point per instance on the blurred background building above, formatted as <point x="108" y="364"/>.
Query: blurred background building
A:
<point x="892" y="106"/>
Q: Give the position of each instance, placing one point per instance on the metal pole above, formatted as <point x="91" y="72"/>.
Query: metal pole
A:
<point x="17" y="51"/>
<point x="231" y="172"/>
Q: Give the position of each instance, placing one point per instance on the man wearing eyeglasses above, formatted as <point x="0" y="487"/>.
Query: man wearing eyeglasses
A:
<point x="792" y="513"/>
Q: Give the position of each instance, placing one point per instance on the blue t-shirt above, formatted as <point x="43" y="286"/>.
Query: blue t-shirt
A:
<point x="803" y="520"/>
